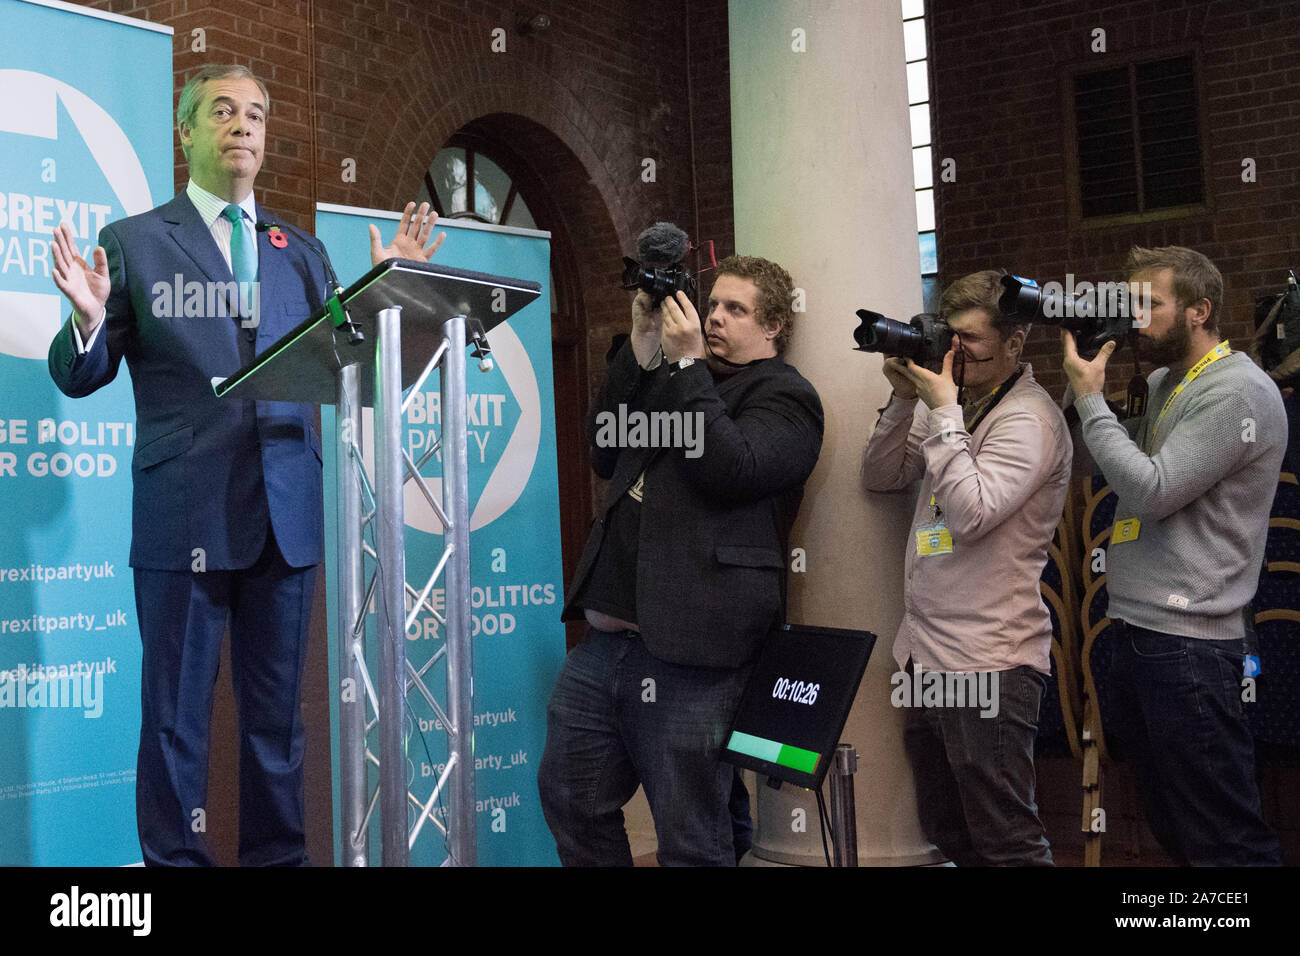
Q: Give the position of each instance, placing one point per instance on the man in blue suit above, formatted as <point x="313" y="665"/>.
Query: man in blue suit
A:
<point x="227" y="511"/>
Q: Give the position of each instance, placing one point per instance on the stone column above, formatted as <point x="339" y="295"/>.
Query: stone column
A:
<point x="821" y="153"/>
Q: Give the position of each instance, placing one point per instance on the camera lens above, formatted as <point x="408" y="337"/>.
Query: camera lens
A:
<point x="879" y="334"/>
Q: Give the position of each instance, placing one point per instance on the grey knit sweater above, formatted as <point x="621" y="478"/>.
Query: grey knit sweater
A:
<point x="1202" y="496"/>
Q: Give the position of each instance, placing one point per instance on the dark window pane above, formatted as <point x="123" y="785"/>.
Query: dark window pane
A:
<point x="1107" y="165"/>
<point x="521" y="215"/>
<point x="1169" y="132"/>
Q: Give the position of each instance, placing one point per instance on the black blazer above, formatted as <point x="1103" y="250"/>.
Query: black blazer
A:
<point x="714" y="529"/>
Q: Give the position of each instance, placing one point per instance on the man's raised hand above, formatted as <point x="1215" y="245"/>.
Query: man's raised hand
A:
<point x="86" y="288"/>
<point x="894" y="369"/>
<point x="412" y="233"/>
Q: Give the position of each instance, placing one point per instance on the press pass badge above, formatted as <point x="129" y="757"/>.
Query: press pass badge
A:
<point x="1126" y="530"/>
<point x="935" y="539"/>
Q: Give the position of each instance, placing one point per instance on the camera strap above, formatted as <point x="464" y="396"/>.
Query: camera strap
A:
<point x="1136" y="404"/>
<point x="991" y="402"/>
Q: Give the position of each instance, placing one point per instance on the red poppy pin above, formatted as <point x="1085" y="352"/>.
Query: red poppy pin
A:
<point x="278" y="239"/>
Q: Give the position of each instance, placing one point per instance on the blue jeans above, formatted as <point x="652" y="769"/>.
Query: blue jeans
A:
<point x="974" y="775"/>
<point x="1183" y="724"/>
<point x="620" y="716"/>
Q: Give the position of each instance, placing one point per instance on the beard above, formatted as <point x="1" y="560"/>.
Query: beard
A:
<point x="1170" y="348"/>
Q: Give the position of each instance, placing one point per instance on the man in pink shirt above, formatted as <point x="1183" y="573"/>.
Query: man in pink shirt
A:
<point x="974" y="644"/>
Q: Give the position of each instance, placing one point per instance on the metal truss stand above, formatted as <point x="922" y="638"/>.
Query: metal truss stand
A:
<point x="396" y="676"/>
<point x="322" y="361"/>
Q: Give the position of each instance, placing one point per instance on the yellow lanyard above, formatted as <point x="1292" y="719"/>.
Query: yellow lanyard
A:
<point x="1222" y="350"/>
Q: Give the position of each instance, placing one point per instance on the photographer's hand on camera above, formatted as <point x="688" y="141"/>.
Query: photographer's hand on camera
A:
<point x="1086" y="378"/>
<point x="647" y="321"/>
<point x="682" y="335"/>
<point x="895" y="372"/>
<point x="935" y="390"/>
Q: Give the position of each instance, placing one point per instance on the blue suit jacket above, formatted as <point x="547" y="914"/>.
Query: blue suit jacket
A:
<point x="208" y="474"/>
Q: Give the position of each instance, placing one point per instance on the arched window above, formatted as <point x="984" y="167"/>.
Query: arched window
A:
<point x="496" y="195"/>
<point x="497" y="198"/>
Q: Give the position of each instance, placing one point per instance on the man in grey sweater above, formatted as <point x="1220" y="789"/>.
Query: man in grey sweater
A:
<point x="1195" y="486"/>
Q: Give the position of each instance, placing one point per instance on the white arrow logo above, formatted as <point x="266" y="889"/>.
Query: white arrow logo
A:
<point x="511" y="474"/>
<point x="29" y="106"/>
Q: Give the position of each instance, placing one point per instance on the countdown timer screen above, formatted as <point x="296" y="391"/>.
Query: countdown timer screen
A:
<point x="797" y="700"/>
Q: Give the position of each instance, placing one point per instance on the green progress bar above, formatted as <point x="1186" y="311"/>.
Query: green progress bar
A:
<point x="783" y="755"/>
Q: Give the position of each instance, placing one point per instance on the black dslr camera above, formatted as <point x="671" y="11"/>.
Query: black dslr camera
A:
<point x="659" y="269"/>
<point x="1095" y="314"/>
<point x="925" y="340"/>
<point x="656" y="281"/>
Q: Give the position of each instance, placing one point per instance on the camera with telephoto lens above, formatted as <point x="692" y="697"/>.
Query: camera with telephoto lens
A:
<point x="1096" y="314"/>
<point x="925" y="340"/>
<point x="659" y="282"/>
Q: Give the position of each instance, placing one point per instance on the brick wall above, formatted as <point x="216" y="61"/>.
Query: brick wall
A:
<point x="1000" y="81"/>
<point x="605" y="87"/>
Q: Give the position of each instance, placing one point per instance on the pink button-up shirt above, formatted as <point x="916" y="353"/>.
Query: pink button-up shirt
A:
<point x="1000" y="493"/>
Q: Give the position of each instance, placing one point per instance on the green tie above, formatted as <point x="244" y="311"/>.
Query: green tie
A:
<point x="243" y="259"/>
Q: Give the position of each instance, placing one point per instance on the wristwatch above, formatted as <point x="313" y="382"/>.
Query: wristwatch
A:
<point x="682" y="363"/>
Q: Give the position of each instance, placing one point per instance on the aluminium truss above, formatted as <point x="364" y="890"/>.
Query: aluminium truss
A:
<point x="408" y="310"/>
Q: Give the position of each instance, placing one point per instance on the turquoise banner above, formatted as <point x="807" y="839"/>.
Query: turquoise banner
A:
<point x="85" y="138"/>
<point x="514" y="548"/>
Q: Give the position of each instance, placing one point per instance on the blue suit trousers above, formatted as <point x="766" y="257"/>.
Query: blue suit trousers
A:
<point x="183" y="616"/>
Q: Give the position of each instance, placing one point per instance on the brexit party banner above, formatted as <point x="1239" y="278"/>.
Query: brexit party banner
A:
<point x="85" y="138"/>
<point x="515" y="571"/>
